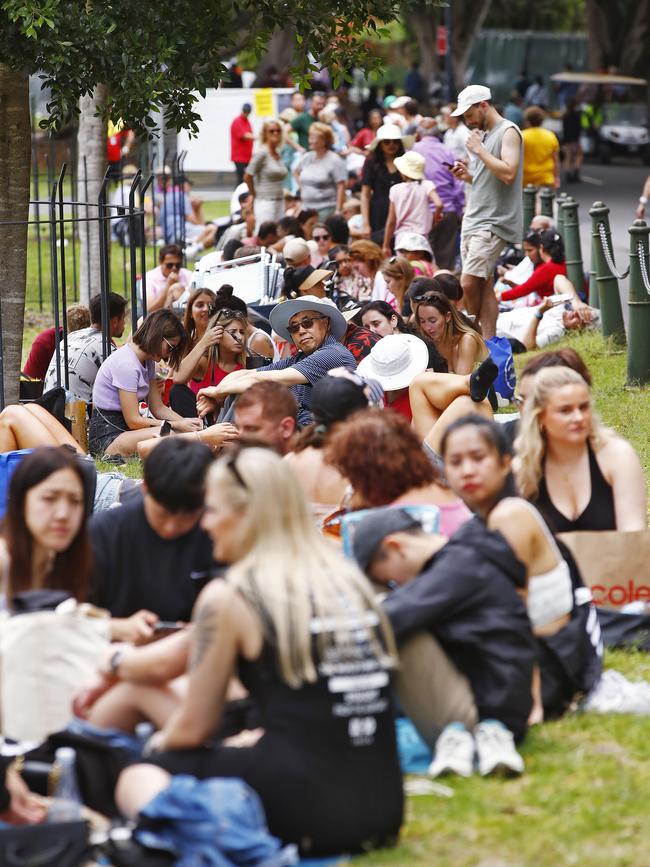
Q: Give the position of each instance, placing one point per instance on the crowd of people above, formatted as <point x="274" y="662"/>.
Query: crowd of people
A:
<point x="330" y="516"/>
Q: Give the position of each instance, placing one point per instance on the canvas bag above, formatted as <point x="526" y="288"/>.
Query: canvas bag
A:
<point x="614" y="564"/>
<point x="501" y="354"/>
<point x="45" y="658"/>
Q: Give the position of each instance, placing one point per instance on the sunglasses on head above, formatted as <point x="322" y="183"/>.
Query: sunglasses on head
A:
<point x="227" y="313"/>
<point x="422" y="296"/>
<point x="231" y="463"/>
<point x="307" y="322"/>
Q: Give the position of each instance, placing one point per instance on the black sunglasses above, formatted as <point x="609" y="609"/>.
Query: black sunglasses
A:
<point x="422" y="296"/>
<point x="320" y="237"/>
<point x="304" y="323"/>
<point x="175" y="266"/>
<point x="231" y="464"/>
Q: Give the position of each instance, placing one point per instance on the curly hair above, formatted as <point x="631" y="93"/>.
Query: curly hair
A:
<point x="380" y="455"/>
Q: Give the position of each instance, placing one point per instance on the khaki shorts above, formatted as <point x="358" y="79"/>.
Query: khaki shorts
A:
<point x="479" y="252"/>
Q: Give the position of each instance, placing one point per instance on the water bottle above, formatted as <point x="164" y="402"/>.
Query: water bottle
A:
<point x="66" y="804"/>
<point x="143" y="732"/>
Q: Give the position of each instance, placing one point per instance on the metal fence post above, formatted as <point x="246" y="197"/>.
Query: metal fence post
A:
<point x="54" y="283"/>
<point x="143" y="249"/>
<point x="559" y="220"/>
<point x="546" y="197"/>
<point x="133" y="234"/>
<point x="104" y="266"/>
<point x="572" y="244"/>
<point x="529" y="195"/>
<point x="64" y="288"/>
<point x="611" y="314"/>
<point x="638" y="351"/>
<point x="594" y="298"/>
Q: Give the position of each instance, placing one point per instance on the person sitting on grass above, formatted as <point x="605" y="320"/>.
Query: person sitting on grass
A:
<point x="128" y="377"/>
<point x="467" y="652"/>
<point x="316" y="326"/>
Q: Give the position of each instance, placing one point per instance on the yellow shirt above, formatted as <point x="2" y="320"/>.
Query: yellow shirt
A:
<point x="540" y="146"/>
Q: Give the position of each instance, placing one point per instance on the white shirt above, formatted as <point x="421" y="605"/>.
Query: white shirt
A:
<point x="515" y="323"/>
<point x="84" y="360"/>
<point x="455" y="139"/>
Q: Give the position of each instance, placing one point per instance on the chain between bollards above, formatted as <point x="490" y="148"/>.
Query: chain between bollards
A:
<point x="611" y="314"/>
<point x="638" y="355"/>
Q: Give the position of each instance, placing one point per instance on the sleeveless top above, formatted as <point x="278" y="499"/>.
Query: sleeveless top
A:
<point x="598" y="514"/>
<point x="493" y="205"/>
<point x="550" y="594"/>
<point x="253" y="335"/>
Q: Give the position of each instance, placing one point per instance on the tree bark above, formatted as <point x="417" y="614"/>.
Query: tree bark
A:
<point x="634" y="59"/>
<point x="279" y="53"/>
<point x="467" y="19"/>
<point x="91" y="167"/>
<point x="600" y="36"/>
<point x="423" y="21"/>
<point x="15" y="158"/>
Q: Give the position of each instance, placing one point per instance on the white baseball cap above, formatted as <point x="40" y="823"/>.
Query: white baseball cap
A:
<point x="471" y="96"/>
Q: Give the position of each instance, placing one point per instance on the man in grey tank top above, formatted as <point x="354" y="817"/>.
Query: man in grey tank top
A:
<point x="494" y="213"/>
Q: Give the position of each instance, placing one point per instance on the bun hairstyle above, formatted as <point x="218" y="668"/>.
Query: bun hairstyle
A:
<point x="293" y="279"/>
<point x="227" y="300"/>
<point x="552" y="243"/>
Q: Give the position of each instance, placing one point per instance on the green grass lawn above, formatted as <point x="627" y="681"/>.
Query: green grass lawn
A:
<point x="585" y="795"/>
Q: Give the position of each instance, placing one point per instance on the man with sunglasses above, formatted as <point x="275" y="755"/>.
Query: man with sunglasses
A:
<point x="167" y="282"/>
<point x="316" y="326"/>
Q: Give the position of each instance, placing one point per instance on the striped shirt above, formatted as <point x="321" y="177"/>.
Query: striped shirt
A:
<point x="313" y="367"/>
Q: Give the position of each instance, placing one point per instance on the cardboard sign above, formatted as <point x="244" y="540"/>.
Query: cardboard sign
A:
<point x="615" y="565"/>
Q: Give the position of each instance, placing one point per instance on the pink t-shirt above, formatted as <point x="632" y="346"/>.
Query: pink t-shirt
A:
<point x="157" y="280"/>
<point x="412" y="211"/>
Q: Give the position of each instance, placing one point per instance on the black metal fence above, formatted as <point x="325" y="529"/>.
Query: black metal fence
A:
<point x="135" y="214"/>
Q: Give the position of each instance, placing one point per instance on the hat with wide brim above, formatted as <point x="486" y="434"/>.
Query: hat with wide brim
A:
<point x="395" y="361"/>
<point x="470" y="96"/>
<point x="411" y="165"/>
<point x="391" y="132"/>
<point x="314" y="278"/>
<point x="284" y="312"/>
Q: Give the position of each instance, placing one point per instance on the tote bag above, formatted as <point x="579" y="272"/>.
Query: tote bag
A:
<point x="45" y="657"/>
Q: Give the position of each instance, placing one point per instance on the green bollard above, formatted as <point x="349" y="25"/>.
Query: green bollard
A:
<point x="611" y="315"/>
<point x="559" y="218"/>
<point x="529" y="194"/>
<point x="638" y="351"/>
<point x="594" y="300"/>
<point x="546" y="196"/>
<point x="572" y="244"/>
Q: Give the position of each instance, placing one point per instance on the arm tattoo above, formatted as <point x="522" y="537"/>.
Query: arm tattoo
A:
<point x="205" y="630"/>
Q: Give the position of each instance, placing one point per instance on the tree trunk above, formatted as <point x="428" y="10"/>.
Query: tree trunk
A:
<point x="279" y="54"/>
<point x="634" y="60"/>
<point x="467" y="18"/>
<point x="600" y="36"/>
<point x="423" y="20"/>
<point x="91" y="167"/>
<point x="15" y="158"/>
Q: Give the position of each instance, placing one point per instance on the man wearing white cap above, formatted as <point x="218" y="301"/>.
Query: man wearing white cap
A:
<point x="494" y="212"/>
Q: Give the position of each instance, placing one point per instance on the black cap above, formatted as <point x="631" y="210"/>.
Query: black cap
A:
<point x="371" y="531"/>
<point x="334" y="398"/>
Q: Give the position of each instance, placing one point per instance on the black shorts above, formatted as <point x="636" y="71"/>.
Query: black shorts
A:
<point x="105" y="426"/>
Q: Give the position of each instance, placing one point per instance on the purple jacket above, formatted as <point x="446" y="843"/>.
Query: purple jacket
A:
<point x="450" y="190"/>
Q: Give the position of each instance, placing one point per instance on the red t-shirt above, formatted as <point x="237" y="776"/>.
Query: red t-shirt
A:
<point x="211" y="378"/>
<point x="41" y="354"/>
<point x="401" y="404"/>
<point x="241" y="149"/>
<point x="363" y="138"/>
<point x="540" y="281"/>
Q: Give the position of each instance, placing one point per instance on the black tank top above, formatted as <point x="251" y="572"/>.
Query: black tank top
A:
<point x="598" y="514"/>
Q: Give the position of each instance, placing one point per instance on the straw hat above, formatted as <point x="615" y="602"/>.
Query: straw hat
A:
<point x="411" y="165"/>
<point x="316" y="276"/>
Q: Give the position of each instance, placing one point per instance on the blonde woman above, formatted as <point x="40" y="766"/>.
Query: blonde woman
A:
<point x="265" y="175"/>
<point x="321" y="174"/>
<point x="580" y="475"/>
<point x="398" y="274"/>
<point x="299" y="623"/>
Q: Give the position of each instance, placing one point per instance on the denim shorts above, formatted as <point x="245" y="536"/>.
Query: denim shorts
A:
<point x="105" y="426"/>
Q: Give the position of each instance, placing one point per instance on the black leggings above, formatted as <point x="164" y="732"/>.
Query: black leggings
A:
<point x="183" y="401"/>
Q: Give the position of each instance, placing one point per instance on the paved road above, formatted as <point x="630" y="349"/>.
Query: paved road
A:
<point x="619" y="187"/>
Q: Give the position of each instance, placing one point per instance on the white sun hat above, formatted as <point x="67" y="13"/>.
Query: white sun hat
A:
<point x="395" y="361"/>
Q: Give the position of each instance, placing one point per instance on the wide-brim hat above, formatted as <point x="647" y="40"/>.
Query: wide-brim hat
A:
<point x="391" y="132"/>
<point x="282" y="313"/>
<point x="413" y="242"/>
<point x="411" y="165"/>
<point x="395" y="361"/>
<point x="470" y="96"/>
<point x="314" y="278"/>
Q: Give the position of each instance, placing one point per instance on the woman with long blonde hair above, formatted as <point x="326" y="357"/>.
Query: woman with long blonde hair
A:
<point x="299" y="623"/>
<point x="580" y="475"/>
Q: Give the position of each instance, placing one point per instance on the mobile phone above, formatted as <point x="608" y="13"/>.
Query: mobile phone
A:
<point x="165" y="428"/>
<point x="448" y="165"/>
<point x="167" y="626"/>
<point x="561" y="299"/>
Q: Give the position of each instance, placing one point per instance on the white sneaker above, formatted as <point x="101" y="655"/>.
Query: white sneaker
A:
<point x="454" y="752"/>
<point x="495" y="750"/>
<point x="193" y="250"/>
